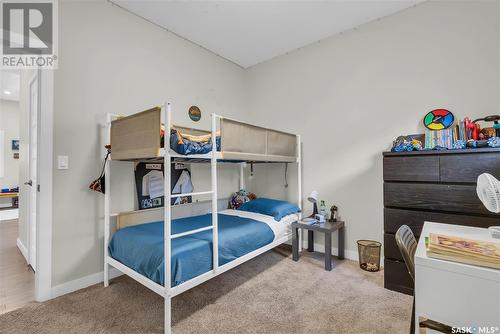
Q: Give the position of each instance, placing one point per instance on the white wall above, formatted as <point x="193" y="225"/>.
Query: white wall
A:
<point x="350" y="95"/>
<point x="9" y="123"/>
<point x="113" y="61"/>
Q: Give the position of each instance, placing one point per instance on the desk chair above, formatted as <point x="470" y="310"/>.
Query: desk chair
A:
<point x="407" y="246"/>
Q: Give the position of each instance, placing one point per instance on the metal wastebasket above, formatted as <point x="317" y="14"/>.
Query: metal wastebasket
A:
<point x="369" y="255"/>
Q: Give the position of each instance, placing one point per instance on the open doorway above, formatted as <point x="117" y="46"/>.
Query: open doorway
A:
<point x="9" y="144"/>
<point x="19" y="115"/>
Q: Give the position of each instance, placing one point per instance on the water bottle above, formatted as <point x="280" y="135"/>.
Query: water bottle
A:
<point x="322" y="210"/>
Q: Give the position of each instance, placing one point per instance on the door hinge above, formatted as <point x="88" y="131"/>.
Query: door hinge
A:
<point x="38" y="187"/>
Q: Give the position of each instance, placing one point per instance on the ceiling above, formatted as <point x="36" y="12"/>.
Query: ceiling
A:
<point x="10" y="83"/>
<point x="250" y="32"/>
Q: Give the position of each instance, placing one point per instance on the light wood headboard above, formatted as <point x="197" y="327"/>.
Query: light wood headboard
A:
<point x="138" y="217"/>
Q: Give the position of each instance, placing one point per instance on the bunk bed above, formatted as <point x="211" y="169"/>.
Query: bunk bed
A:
<point x="170" y="256"/>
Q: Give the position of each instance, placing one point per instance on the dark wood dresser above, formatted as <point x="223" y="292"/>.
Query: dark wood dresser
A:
<point x="438" y="186"/>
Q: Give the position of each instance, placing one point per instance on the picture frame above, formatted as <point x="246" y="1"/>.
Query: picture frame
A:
<point x="15" y="145"/>
<point x="194" y="113"/>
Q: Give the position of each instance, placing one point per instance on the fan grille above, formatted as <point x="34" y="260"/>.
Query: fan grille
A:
<point x="488" y="191"/>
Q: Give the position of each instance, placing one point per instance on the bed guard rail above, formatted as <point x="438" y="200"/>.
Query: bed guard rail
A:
<point x="137" y="137"/>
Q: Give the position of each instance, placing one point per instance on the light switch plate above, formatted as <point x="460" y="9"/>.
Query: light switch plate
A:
<point x="62" y="162"/>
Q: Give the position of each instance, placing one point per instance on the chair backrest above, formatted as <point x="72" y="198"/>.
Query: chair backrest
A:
<point x="407" y="246"/>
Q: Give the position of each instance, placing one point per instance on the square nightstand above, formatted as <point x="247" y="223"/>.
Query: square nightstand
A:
<point x="327" y="228"/>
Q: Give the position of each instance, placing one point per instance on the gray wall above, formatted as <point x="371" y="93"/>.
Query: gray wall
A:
<point x="350" y="95"/>
<point x="113" y="61"/>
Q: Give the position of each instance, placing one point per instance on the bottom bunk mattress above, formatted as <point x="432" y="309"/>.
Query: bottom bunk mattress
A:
<point x="140" y="247"/>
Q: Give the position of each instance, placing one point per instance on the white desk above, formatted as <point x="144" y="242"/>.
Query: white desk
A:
<point x="456" y="294"/>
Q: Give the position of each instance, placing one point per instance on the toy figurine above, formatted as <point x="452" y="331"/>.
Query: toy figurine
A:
<point x="472" y="129"/>
<point x="333" y="213"/>
<point x="487" y="133"/>
<point x="417" y="144"/>
<point x="492" y="118"/>
<point x="477" y="143"/>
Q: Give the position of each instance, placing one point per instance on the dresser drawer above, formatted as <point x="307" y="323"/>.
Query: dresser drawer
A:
<point x="391" y="250"/>
<point x="396" y="277"/>
<point x="394" y="218"/>
<point x="408" y="168"/>
<point x="467" y="167"/>
<point x="436" y="197"/>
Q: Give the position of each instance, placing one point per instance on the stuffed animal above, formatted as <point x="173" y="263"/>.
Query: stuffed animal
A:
<point x="240" y="197"/>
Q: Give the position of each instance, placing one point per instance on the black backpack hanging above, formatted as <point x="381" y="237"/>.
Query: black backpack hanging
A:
<point x="99" y="184"/>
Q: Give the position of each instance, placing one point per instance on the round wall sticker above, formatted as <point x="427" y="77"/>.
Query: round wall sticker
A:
<point x="194" y="113"/>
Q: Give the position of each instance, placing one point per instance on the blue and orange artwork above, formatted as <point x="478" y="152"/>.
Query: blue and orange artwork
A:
<point x="439" y="119"/>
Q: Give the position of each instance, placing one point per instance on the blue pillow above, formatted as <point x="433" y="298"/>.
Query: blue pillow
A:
<point x="271" y="207"/>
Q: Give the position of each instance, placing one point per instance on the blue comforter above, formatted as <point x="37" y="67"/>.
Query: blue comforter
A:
<point x="140" y="247"/>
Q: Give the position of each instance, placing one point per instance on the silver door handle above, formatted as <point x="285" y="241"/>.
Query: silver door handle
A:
<point x="29" y="183"/>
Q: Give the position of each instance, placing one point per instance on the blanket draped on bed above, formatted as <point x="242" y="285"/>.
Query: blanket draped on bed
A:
<point x="140" y="247"/>
<point x="187" y="145"/>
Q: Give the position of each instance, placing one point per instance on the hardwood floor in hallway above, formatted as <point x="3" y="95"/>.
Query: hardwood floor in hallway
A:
<point x="17" y="280"/>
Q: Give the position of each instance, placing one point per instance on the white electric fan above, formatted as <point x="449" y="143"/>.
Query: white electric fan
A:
<point x="488" y="191"/>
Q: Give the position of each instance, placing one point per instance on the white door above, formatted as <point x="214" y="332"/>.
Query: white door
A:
<point x="33" y="169"/>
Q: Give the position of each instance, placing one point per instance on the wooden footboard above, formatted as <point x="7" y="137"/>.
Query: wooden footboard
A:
<point x="243" y="141"/>
<point x="136" y="136"/>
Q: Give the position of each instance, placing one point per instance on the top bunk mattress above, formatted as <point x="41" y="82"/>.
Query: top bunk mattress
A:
<point x="140" y="247"/>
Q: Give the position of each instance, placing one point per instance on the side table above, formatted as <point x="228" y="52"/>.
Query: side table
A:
<point x="327" y="228"/>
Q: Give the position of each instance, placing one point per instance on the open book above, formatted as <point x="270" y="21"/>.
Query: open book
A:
<point x="458" y="249"/>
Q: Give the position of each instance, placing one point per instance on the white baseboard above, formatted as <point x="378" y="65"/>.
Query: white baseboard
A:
<point x="81" y="283"/>
<point x="22" y="249"/>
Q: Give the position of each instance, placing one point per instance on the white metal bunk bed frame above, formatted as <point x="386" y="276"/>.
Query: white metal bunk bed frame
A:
<point x="167" y="291"/>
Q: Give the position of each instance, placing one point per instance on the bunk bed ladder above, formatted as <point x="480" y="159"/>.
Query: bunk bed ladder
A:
<point x="167" y="109"/>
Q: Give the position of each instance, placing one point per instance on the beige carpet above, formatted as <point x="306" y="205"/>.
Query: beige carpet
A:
<point x="269" y="294"/>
